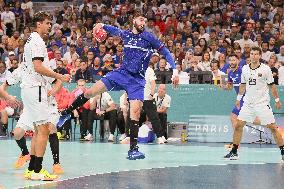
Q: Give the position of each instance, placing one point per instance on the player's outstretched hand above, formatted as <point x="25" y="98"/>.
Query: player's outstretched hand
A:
<point x="175" y="81"/>
<point x="13" y="102"/>
<point x="278" y="105"/>
<point x="238" y="104"/>
<point x="65" y="78"/>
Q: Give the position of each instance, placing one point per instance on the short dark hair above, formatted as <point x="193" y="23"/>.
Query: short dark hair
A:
<point x="256" y="48"/>
<point x="40" y="17"/>
<point x="233" y="55"/>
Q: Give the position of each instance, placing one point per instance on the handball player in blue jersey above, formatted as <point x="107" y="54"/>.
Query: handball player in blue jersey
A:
<point x="138" y="48"/>
<point x="234" y="81"/>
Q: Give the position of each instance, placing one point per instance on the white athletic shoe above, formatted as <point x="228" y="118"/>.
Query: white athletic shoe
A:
<point x="164" y="139"/>
<point x="89" y="137"/>
<point x="123" y="136"/>
<point x="160" y="140"/>
<point x="110" y="138"/>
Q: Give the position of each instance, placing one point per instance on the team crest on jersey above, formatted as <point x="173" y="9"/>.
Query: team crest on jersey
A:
<point x="259" y="74"/>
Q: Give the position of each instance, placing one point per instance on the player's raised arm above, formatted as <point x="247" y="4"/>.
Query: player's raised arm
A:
<point x="100" y="31"/>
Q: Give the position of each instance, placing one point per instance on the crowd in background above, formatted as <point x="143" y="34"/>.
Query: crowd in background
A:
<point x="199" y="34"/>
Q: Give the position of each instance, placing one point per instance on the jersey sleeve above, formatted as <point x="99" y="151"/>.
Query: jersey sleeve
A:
<point x="38" y="50"/>
<point x="269" y="77"/>
<point x="113" y="30"/>
<point x="158" y="45"/>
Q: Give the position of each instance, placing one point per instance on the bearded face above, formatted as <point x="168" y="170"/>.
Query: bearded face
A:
<point x="139" y="24"/>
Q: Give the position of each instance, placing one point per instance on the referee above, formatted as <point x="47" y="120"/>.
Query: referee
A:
<point x="149" y="105"/>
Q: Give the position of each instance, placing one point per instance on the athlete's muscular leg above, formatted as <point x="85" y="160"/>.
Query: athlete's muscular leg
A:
<point x="238" y="132"/>
<point x="276" y="134"/>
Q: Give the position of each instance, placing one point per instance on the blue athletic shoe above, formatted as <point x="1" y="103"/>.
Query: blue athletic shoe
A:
<point x="63" y="119"/>
<point x="135" y="154"/>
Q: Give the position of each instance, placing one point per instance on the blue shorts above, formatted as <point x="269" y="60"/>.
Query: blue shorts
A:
<point x="120" y="79"/>
<point x="235" y="110"/>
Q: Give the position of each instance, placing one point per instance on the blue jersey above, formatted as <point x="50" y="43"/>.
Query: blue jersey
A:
<point x="138" y="49"/>
<point x="234" y="77"/>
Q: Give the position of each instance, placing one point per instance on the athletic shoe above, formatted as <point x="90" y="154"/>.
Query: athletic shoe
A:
<point x="160" y="140"/>
<point x="43" y="175"/>
<point x="63" y="119"/>
<point x="110" y="138"/>
<point x="135" y="154"/>
<point x="89" y="137"/>
<point x="232" y="156"/>
<point x="22" y="160"/>
<point x="126" y="140"/>
<point x="164" y="139"/>
<point x="57" y="169"/>
<point x="82" y="138"/>
<point x="28" y="174"/>
<point x="123" y="136"/>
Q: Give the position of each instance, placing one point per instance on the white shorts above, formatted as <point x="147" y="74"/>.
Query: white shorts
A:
<point x="28" y="125"/>
<point x="264" y="112"/>
<point x="38" y="109"/>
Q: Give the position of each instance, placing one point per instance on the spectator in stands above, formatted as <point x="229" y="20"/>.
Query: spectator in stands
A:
<point x="272" y="45"/>
<point x="105" y="108"/>
<point x="14" y="65"/>
<point x="274" y="70"/>
<point x="204" y="64"/>
<point x="53" y="62"/>
<point x="118" y="57"/>
<point x="27" y="6"/>
<point x="163" y="102"/>
<point x="68" y="55"/>
<point x="8" y="21"/>
<point x="60" y="68"/>
<point x="280" y="56"/>
<point x="216" y="72"/>
<point x="64" y="46"/>
<point x="4" y="73"/>
<point x="84" y="72"/>
<point x="82" y="112"/>
<point x="193" y="65"/>
<point x="10" y="58"/>
<point x="186" y="60"/>
<point x="14" y="39"/>
<point x="223" y="65"/>
<point x="266" y="54"/>
<point x="183" y="76"/>
<point x="108" y="64"/>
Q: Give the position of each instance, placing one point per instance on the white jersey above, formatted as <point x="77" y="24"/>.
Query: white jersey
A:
<point x="149" y="77"/>
<point x="104" y="102"/>
<point x="257" y="81"/>
<point x="34" y="48"/>
<point x="162" y="102"/>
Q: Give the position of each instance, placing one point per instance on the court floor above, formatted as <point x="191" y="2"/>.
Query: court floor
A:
<point x="178" y="165"/>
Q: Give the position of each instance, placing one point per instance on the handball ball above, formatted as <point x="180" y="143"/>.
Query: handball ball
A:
<point x="100" y="35"/>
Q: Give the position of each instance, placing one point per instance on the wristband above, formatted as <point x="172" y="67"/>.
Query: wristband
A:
<point x="239" y="97"/>
<point x="277" y="99"/>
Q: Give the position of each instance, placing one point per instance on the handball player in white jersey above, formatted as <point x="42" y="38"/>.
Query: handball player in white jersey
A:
<point x="34" y="92"/>
<point x="256" y="81"/>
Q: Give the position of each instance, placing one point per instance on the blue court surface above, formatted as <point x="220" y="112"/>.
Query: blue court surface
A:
<point x="174" y="165"/>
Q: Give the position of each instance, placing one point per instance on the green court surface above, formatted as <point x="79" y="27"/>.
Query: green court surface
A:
<point x="82" y="161"/>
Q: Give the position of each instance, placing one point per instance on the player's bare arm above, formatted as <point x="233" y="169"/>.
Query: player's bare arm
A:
<point x="275" y="95"/>
<point x="11" y="100"/>
<point x="240" y="94"/>
<point x="56" y="88"/>
<point x="41" y="69"/>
